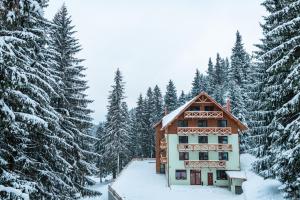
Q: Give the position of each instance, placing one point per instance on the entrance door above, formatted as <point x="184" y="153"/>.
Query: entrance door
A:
<point x="210" y="178"/>
<point x="195" y="177"/>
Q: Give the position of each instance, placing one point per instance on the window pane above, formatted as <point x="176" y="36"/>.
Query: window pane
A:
<point x="222" y="123"/>
<point x="183" y="155"/>
<point x="221" y="175"/>
<point x="209" y="108"/>
<point x="223" y="155"/>
<point x="203" y="139"/>
<point x="203" y="155"/>
<point x="183" y="139"/>
<point x="180" y="174"/>
<point x="202" y="123"/>
<point x="223" y="139"/>
<point x="195" y="108"/>
<point x="182" y="123"/>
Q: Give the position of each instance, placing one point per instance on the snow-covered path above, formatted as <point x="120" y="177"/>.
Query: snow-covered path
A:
<point x="140" y="182"/>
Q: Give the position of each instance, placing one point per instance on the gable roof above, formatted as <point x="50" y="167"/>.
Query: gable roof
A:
<point x="169" y="118"/>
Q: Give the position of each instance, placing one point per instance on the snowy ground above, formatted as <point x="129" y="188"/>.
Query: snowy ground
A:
<point x="101" y="187"/>
<point x="140" y="182"/>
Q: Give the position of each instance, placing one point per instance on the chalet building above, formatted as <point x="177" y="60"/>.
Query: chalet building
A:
<point x="198" y="144"/>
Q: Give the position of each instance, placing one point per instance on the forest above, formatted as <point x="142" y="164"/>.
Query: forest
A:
<point x="47" y="147"/>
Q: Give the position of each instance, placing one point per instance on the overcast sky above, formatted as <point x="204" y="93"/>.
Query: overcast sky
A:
<point x="156" y="40"/>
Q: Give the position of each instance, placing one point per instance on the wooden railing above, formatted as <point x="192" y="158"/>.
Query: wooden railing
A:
<point x="203" y="114"/>
<point x="204" y="147"/>
<point x="204" y="130"/>
<point x="163" y="160"/>
<point x="196" y="164"/>
<point x="163" y="144"/>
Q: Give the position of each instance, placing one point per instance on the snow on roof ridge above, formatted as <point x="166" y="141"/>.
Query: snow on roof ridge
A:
<point x="169" y="117"/>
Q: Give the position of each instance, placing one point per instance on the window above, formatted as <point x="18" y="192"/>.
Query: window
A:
<point x="223" y="155"/>
<point x="203" y="155"/>
<point x="182" y="123"/>
<point x="209" y="108"/>
<point x="222" y="123"/>
<point x="183" y="155"/>
<point x="221" y="175"/>
<point x="202" y="139"/>
<point x="180" y="174"/>
<point x="223" y="139"/>
<point x="202" y="123"/>
<point x="162" y="168"/>
<point x="194" y="108"/>
<point x="183" y="139"/>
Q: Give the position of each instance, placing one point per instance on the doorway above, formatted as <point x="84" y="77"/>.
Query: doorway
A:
<point x="195" y="176"/>
<point x="210" y="178"/>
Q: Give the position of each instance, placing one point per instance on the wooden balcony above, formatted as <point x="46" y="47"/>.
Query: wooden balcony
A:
<point x="196" y="164"/>
<point x="203" y="114"/>
<point x="163" y="144"/>
<point x="204" y="147"/>
<point x="204" y="130"/>
<point x="163" y="160"/>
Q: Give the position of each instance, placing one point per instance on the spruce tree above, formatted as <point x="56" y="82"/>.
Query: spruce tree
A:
<point x="116" y="128"/>
<point x="278" y="136"/>
<point x="219" y="76"/>
<point x="210" y="77"/>
<point x="182" y="98"/>
<point x="171" y="97"/>
<point x="139" y="128"/>
<point x="158" y="108"/>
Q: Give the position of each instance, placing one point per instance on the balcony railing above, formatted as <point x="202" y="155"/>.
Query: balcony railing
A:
<point x="203" y="114"/>
<point x="204" y="147"/>
<point x="163" y="160"/>
<point x="204" y="130"/>
<point x="163" y="144"/>
<point x="196" y="164"/>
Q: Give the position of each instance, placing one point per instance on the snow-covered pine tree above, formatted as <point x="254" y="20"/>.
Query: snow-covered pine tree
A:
<point x="240" y="62"/>
<point x="34" y="169"/>
<point x="159" y="111"/>
<point x="99" y="149"/>
<point x="149" y="120"/>
<point x="171" y="97"/>
<point x="182" y="98"/>
<point x="210" y="77"/>
<point x="72" y="103"/>
<point x="139" y="128"/>
<point x="196" y="85"/>
<point x="219" y="76"/>
<point x="116" y="128"/>
<point x="280" y="97"/>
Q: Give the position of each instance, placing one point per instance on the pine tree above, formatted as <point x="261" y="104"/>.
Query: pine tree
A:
<point x="196" y="85"/>
<point x="171" y="97"/>
<point x="210" y="77"/>
<point x="158" y="108"/>
<point x="240" y="62"/>
<point x="182" y="99"/>
<point x="116" y="128"/>
<point x="139" y="128"/>
<point x="72" y="103"/>
<point x="219" y="88"/>
<point x="99" y="149"/>
<point x="278" y="136"/>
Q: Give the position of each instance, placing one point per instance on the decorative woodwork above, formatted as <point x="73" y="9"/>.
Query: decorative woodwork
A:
<point x="204" y="130"/>
<point x="163" y="144"/>
<point x="196" y="164"/>
<point x="163" y="160"/>
<point x="203" y="114"/>
<point x="204" y="147"/>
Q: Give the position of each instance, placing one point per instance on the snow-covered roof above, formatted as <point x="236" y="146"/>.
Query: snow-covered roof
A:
<point x="236" y="174"/>
<point x="166" y="120"/>
<point x="170" y="117"/>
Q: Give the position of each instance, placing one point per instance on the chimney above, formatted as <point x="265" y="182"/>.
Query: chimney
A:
<point x="228" y="105"/>
<point x="166" y="111"/>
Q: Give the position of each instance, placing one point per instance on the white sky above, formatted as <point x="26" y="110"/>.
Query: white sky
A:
<point x="156" y="40"/>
